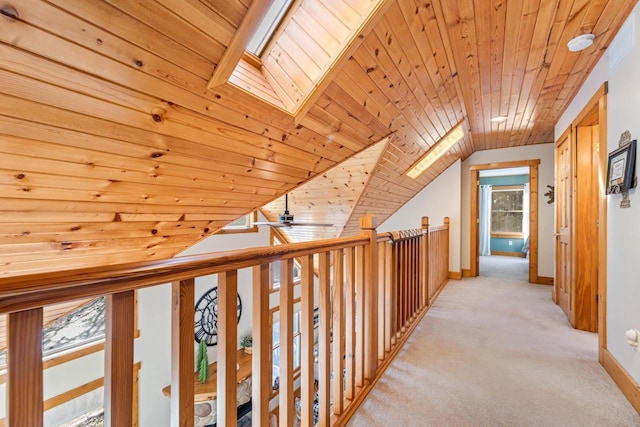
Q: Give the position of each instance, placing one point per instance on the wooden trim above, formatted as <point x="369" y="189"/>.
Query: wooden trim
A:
<point x="24" y="346"/>
<point x="621" y="377"/>
<point x="118" y="372"/>
<point x="511" y="254"/>
<point x="518" y="187"/>
<point x="251" y="59"/>
<point x="533" y="213"/>
<point x="543" y="280"/>
<point x="182" y="352"/>
<point x="505" y="165"/>
<point x="455" y="275"/>
<point x="473" y="218"/>
<point x="234" y="52"/>
<point x="73" y="393"/>
<point x="506" y="235"/>
<point x="466" y="272"/>
<point x="602" y="224"/>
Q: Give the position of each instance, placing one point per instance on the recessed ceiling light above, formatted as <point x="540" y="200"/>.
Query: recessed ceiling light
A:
<point x="499" y="119"/>
<point x="581" y="42"/>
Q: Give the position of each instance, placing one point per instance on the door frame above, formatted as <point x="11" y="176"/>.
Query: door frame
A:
<point x="533" y="213"/>
<point x="599" y="101"/>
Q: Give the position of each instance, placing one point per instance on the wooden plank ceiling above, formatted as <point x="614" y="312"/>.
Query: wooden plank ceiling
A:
<point x="113" y="149"/>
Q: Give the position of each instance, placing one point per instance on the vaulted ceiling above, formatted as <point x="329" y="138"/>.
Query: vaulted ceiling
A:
<point x="129" y="130"/>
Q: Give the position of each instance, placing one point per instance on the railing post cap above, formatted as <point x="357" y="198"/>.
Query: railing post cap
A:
<point x="425" y="221"/>
<point x="368" y="222"/>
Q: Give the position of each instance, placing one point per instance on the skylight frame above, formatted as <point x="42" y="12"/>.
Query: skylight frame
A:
<point x="455" y="135"/>
<point x="268" y="26"/>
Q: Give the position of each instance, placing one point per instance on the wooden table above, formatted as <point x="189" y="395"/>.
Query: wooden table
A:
<point x="209" y="390"/>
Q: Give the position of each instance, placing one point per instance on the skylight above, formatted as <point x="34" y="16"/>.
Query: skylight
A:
<point x="450" y="139"/>
<point x="268" y="26"/>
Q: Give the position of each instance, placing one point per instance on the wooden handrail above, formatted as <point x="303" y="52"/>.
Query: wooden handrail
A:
<point x="382" y="284"/>
<point x="35" y="290"/>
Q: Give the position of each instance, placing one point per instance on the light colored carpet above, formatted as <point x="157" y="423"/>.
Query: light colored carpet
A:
<point x="493" y="352"/>
<point x="504" y="267"/>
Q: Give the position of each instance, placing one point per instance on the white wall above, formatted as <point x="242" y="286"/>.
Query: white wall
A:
<point x="544" y="152"/>
<point x="153" y="348"/>
<point x="619" y="66"/>
<point x="439" y="199"/>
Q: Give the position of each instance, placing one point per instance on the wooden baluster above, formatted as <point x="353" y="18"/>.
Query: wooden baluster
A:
<point x="24" y="368"/>
<point x="118" y="373"/>
<point x="403" y="282"/>
<point x="425" y="262"/>
<point x="307" y="391"/>
<point x="411" y="269"/>
<point x="286" y="344"/>
<point x="338" y="331"/>
<point x="324" y="356"/>
<point x="359" y="353"/>
<point x="400" y="275"/>
<point x="182" y="317"/>
<point x="350" y="324"/>
<point x="389" y="298"/>
<point x="227" y="348"/>
<point x="262" y="341"/>
<point x="368" y="226"/>
<point x="382" y="319"/>
<point x="416" y="274"/>
<point x="446" y="250"/>
<point x="397" y="293"/>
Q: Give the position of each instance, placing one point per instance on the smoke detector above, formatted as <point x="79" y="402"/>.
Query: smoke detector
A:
<point x="581" y="42"/>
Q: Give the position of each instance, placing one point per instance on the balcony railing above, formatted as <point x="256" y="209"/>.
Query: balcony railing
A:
<point x="370" y="291"/>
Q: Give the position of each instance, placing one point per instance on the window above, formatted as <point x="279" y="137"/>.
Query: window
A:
<point x="244" y="224"/>
<point x="507" y="211"/>
<point x="275" y="357"/>
<point x="274" y="267"/>
<point x="268" y="26"/>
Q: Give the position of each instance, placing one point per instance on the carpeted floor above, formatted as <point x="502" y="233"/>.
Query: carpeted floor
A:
<point x="496" y="352"/>
<point x="504" y="267"/>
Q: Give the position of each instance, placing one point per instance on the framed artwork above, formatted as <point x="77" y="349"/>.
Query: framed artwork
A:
<point x="621" y="169"/>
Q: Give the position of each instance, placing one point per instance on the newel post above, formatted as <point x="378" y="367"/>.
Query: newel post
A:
<point x="425" y="262"/>
<point x="368" y="225"/>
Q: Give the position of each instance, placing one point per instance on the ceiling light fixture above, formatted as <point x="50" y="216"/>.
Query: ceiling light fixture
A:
<point x="498" y="119"/>
<point x="438" y="150"/>
<point x="581" y="42"/>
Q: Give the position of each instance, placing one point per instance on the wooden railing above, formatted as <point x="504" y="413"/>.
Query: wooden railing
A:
<point x="371" y="291"/>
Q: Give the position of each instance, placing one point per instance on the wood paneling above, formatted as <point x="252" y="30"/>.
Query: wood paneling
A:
<point x="113" y="149"/>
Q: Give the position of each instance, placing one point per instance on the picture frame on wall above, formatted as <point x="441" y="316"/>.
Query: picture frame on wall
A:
<point x="621" y="169"/>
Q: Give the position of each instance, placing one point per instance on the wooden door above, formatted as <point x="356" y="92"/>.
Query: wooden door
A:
<point x="563" y="199"/>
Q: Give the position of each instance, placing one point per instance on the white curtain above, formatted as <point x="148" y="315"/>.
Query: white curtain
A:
<point x="484" y="230"/>
<point x="525" y="212"/>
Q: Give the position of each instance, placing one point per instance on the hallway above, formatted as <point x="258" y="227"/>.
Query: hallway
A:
<point x="496" y="352"/>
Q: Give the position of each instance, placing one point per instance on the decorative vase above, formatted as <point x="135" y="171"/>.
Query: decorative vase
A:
<point x="248" y="350"/>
